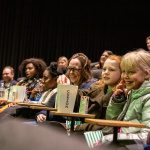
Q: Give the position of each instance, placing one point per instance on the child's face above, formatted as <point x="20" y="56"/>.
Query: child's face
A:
<point x="111" y="72"/>
<point x="133" y="78"/>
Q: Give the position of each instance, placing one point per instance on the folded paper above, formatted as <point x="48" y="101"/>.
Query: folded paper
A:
<point x="17" y="93"/>
<point x="66" y="97"/>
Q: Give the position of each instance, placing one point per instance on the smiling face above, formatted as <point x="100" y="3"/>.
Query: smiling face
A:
<point x="135" y="68"/>
<point x="111" y="72"/>
<point x="30" y="71"/>
<point x="133" y="78"/>
<point x="7" y="75"/>
<point x="74" y="71"/>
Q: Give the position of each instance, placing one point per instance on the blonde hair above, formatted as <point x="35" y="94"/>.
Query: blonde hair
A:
<point x="139" y="58"/>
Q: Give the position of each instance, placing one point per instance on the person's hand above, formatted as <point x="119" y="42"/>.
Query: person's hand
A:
<point x="34" y="92"/>
<point x="26" y="100"/>
<point x="41" y="118"/>
<point x="38" y="89"/>
<point x="12" y="104"/>
<point x="3" y="101"/>
<point x="120" y="93"/>
<point x="120" y="88"/>
<point x="62" y="79"/>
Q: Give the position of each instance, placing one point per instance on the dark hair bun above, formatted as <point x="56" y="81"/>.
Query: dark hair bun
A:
<point x="54" y="71"/>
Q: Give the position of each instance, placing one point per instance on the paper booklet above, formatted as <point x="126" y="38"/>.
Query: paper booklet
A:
<point x="66" y="97"/>
<point x="16" y="93"/>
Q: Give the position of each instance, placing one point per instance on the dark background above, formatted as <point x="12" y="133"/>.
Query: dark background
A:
<point x="49" y="29"/>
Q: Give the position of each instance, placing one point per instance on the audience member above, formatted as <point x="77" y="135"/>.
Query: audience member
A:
<point x="8" y="77"/>
<point x="78" y="72"/>
<point x="49" y="85"/>
<point x="102" y="90"/>
<point x="7" y="82"/>
<point x="148" y="43"/>
<point x="62" y="63"/>
<point x="97" y="68"/>
<point x="31" y="71"/>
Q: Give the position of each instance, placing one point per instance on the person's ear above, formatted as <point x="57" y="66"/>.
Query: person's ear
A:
<point x="147" y="75"/>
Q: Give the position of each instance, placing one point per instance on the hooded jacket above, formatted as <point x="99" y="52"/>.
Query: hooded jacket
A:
<point x="136" y="108"/>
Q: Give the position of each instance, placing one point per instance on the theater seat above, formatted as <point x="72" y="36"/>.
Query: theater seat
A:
<point x="146" y="147"/>
<point x="96" y="73"/>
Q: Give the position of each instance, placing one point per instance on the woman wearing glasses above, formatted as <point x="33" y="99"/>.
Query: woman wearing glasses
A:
<point x="78" y="72"/>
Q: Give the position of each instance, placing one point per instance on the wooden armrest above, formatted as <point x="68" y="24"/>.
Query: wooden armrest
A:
<point x="115" y="123"/>
<point x="43" y="108"/>
<point x="30" y="104"/>
<point x="73" y="114"/>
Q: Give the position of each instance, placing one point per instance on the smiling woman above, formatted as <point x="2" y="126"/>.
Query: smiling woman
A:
<point x="78" y="72"/>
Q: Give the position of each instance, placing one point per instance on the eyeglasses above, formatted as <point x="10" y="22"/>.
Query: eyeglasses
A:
<point x="73" y="69"/>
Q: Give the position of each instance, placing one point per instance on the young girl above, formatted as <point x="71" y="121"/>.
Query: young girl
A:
<point x="102" y="90"/>
<point x="135" y="68"/>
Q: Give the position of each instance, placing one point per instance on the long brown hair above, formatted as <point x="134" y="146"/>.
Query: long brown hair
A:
<point x="85" y="64"/>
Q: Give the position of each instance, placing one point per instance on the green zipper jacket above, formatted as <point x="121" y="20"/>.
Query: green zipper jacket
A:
<point x="136" y="108"/>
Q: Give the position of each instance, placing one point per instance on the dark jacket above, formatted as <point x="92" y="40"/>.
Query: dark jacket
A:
<point x="99" y="98"/>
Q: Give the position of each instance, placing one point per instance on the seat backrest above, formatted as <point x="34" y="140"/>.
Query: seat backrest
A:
<point x="96" y="73"/>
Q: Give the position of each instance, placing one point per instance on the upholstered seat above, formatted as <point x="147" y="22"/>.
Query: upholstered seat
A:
<point x="96" y="73"/>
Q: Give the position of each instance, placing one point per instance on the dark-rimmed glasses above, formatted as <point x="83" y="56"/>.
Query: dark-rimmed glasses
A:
<point x="73" y="69"/>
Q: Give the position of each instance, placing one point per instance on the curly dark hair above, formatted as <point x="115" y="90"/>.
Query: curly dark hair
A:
<point x="85" y="64"/>
<point x="38" y="63"/>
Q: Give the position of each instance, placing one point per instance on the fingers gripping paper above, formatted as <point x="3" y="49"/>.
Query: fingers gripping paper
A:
<point x="66" y="97"/>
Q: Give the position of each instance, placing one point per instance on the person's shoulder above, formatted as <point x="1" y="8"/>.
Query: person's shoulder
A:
<point x="1" y="81"/>
<point x="88" y="83"/>
<point x="96" y="73"/>
<point x="13" y="82"/>
<point x="92" y="80"/>
<point x="21" y="79"/>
